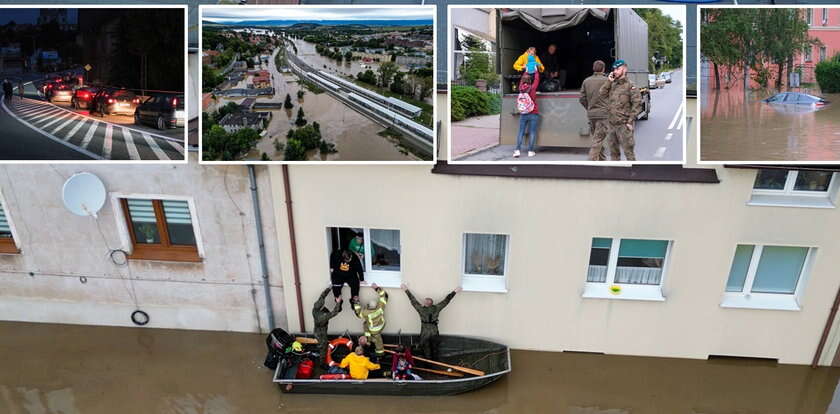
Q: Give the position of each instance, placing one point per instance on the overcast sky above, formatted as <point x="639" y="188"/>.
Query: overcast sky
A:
<point x="252" y="13"/>
<point x="676" y="13"/>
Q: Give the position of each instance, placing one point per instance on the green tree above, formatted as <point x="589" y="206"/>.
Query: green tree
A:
<point x="265" y="157"/>
<point x="301" y="120"/>
<point x="294" y="151"/>
<point x="288" y="103"/>
<point x="300" y="93"/>
<point x="477" y="65"/>
<point x="387" y="71"/>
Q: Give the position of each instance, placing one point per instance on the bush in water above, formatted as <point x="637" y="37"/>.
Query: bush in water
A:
<point x="828" y="74"/>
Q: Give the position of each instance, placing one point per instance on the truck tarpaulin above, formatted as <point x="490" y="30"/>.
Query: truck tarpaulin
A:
<point x="549" y="20"/>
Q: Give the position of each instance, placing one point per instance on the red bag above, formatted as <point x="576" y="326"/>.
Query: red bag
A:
<point x="305" y="369"/>
<point x="335" y="377"/>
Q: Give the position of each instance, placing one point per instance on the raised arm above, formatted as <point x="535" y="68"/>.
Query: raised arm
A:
<point x="336" y="310"/>
<point x="413" y="300"/>
<point x="320" y="302"/>
<point x="446" y="300"/>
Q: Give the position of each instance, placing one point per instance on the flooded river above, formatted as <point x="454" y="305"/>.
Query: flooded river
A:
<point x="81" y="369"/>
<point x="738" y="126"/>
<point x="306" y="51"/>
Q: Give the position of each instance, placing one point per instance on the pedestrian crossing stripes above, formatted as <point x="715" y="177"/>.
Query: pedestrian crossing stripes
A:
<point x="99" y="138"/>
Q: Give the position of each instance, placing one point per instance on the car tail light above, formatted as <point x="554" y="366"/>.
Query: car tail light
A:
<point x="110" y="100"/>
<point x="136" y="100"/>
<point x="174" y="102"/>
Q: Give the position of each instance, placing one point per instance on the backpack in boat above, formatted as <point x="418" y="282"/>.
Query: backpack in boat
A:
<point x="524" y="103"/>
<point x="277" y="341"/>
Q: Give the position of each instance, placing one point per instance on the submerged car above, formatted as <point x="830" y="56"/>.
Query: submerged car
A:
<point x="796" y="98"/>
<point x="162" y="111"/>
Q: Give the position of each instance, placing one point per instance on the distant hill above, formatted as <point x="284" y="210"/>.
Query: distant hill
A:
<point x="312" y="24"/>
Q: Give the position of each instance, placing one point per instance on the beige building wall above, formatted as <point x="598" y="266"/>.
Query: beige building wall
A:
<point x="63" y="273"/>
<point x="551" y="223"/>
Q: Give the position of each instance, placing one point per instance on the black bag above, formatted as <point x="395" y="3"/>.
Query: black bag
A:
<point x="277" y="341"/>
<point x="550" y="85"/>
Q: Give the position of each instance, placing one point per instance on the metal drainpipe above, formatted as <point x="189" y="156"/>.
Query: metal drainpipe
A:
<point x="255" y="197"/>
<point x="293" y="244"/>
<point x="824" y="337"/>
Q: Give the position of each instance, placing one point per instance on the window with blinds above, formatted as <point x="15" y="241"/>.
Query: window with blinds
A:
<point x="161" y="229"/>
<point x="7" y="243"/>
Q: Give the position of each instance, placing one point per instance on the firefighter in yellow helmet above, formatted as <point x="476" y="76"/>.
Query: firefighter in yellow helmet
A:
<point x="373" y="317"/>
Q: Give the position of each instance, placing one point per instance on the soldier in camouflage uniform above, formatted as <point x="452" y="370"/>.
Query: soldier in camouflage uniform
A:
<point x="624" y="102"/>
<point x="596" y="110"/>
<point x="322" y="315"/>
<point x="429" y="313"/>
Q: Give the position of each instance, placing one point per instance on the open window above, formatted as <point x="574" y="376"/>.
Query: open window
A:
<point x="7" y="240"/>
<point x="767" y="277"/>
<point x="378" y="249"/>
<point x="626" y="268"/>
<point x="485" y="262"/>
<point x="160" y="230"/>
<point x="792" y="188"/>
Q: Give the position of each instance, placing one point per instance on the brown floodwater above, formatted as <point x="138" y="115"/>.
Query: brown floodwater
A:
<point x="306" y="51"/>
<point x="66" y="369"/>
<point x="737" y="126"/>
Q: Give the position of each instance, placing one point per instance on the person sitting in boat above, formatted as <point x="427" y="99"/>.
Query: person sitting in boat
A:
<point x="373" y="318"/>
<point x="429" y="313"/>
<point x="401" y="365"/>
<point x="322" y="315"/>
<point x="360" y="365"/>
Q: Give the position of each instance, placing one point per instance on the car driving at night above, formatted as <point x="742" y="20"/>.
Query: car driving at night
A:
<point x="161" y="111"/>
<point x="108" y="101"/>
<point x="83" y="97"/>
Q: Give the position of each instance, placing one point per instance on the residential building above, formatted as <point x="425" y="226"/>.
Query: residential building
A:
<point x="207" y="56"/>
<point x="261" y="79"/>
<point x="666" y="261"/>
<point x="248" y="104"/>
<point x="178" y="242"/>
<point x="413" y="61"/>
<point x="372" y="57"/>
<point x="235" y="121"/>
<point x="824" y="25"/>
<point x="240" y="65"/>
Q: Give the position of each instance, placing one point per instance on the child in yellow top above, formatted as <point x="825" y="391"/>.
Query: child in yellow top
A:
<point x="359" y="364"/>
<point x="522" y="61"/>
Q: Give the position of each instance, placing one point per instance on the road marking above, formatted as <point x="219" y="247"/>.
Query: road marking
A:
<point x="64" y="124"/>
<point x="682" y="123"/>
<point x="30" y="111"/>
<point x="55" y="120"/>
<point x="660" y="152"/>
<point x="669" y="136"/>
<point x="60" y="141"/>
<point x="155" y="147"/>
<point x="109" y="143"/>
<point x="41" y="116"/>
<point x="129" y="143"/>
<point x="75" y="128"/>
<point x="89" y="134"/>
<point x="676" y="117"/>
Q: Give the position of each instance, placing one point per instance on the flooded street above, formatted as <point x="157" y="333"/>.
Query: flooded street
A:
<point x="306" y="51"/>
<point x="740" y="127"/>
<point x="83" y="369"/>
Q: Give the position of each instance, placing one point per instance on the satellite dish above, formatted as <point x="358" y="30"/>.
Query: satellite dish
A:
<point x="84" y="194"/>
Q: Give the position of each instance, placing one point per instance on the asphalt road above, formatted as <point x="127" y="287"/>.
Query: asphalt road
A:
<point x="38" y="130"/>
<point x="659" y="138"/>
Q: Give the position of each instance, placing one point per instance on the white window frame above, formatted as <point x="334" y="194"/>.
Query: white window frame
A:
<point x="788" y="197"/>
<point x="383" y="278"/>
<point x="809" y="16"/>
<point x="12" y="228"/>
<point x="823" y="53"/>
<point x="746" y="299"/>
<point x="809" y="53"/>
<point x="825" y="16"/>
<point x="603" y="290"/>
<point x="484" y="283"/>
<point x="122" y="224"/>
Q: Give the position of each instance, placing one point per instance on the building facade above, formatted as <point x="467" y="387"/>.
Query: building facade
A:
<point x="824" y="26"/>
<point x="646" y="260"/>
<point x="191" y="256"/>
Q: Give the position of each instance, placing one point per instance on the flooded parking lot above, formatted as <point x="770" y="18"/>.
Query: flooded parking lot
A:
<point x="739" y="126"/>
<point x="82" y="369"/>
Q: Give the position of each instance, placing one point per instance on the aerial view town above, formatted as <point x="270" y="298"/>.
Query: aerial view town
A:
<point x="317" y="84"/>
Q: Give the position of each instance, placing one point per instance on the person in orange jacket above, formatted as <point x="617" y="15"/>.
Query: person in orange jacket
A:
<point x="359" y="364"/>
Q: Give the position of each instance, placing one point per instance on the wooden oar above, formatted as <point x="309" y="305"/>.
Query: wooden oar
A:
<point x="439" y="372"/>
<point x="307" y="341"/>
<point x="455" y="367"/>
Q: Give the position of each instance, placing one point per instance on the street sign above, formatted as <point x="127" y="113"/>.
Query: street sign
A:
<point x="88" y="67"/>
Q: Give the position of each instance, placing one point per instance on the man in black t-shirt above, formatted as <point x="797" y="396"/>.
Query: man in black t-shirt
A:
<point x="345" y="267"/>
<point x="552" y="62"/>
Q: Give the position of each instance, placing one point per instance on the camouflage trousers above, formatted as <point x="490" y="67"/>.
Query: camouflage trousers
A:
<point x="598" y="129"/>
<point x="620" y="137"/>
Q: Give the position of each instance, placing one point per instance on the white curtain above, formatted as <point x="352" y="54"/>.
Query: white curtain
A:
<point x="638" y="275"/>
<point x="485" y="254"/>
<point x="597" y="274"/>
<point x="388" y="239"/>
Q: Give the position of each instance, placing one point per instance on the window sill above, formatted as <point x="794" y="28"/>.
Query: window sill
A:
<point x="760" y="301"/>
<point x="383" y="279"/>
<point x="481" y="283"/>
<point x="627" y="292"/>
<point x="790" y="201"/>
<point x="169" y="254"/>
